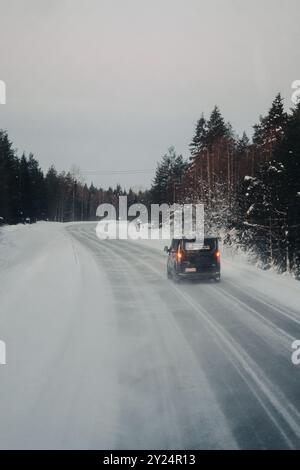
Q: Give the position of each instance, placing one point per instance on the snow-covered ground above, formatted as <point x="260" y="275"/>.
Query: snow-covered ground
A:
<point x="104" y="352"/>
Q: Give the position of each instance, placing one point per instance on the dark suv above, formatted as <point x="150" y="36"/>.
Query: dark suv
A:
<point x="188" y="258"/>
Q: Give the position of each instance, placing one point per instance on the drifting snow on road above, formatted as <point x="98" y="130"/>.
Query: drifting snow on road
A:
<point x="104" y="352"/>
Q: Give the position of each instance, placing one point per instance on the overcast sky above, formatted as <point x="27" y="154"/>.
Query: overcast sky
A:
<point x="111" y="84"/>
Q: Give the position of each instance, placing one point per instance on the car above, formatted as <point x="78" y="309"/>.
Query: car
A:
<point x="194" y="259"/>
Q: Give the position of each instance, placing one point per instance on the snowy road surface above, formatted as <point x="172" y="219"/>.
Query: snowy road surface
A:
<point x="104" y="352"/>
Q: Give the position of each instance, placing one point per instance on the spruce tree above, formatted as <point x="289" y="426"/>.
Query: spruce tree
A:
<point x="199" y="140"/>
<point x="288" y="152"/>
<point x="52" y="193"/>
<point x="243" y="144"/>
<point x="168" y="176"/>
<point x="270" y="129"/>
<point x="216" y="127"/>
<point x="9" y="181"/>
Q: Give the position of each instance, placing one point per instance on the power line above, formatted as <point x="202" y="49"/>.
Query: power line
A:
<point x="118" y="172"/>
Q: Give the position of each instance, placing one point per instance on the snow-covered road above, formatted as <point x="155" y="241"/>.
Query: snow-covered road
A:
<point x="104" y="352"/>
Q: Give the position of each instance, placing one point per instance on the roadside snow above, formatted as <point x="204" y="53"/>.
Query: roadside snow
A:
<point x="53" y="306"/>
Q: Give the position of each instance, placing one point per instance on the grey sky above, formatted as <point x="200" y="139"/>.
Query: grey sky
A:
<point x="109" y="84"/>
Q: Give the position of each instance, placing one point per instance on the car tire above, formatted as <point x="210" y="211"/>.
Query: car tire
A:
<point x="169" y="275"/>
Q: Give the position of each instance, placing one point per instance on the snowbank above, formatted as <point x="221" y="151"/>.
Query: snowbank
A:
<point x="55" y="314"/>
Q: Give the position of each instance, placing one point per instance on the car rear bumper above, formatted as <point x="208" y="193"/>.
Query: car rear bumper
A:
<point x="199" y="275"/>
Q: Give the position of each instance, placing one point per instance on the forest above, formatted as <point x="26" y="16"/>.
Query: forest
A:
<point x="250" y="187"/>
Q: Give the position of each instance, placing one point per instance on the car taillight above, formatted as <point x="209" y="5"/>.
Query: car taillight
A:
<point x="179" y="256"/>
<point x="218" y="255"/>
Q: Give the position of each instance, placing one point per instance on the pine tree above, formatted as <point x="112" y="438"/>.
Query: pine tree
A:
<point x="9" y="181"/>
<point x="168" y="176"/>
<point x="52" y="185"/>
<point x="288" y="152"/>
<point x="243" y="144"/>
<point x="38" y="191"/>
<point x="216" y="127"/>
<point x="263" y="214"/>
<point x="25" y="189"/>
<point x="199" y="140"/>
<point x="270" y="129"/>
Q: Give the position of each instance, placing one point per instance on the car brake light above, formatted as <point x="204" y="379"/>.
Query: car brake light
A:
<point x="218" y="254"/>
<point x="179" y="256"/>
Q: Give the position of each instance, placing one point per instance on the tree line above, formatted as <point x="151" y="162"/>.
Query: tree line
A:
<point x="29" y="195"/>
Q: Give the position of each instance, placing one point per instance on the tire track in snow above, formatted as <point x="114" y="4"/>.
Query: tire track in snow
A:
<point x="273" y="401"/>
<point x="184" y="423"/>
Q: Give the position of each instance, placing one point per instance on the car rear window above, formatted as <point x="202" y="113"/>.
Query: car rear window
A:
<point x="208" y="245"/>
